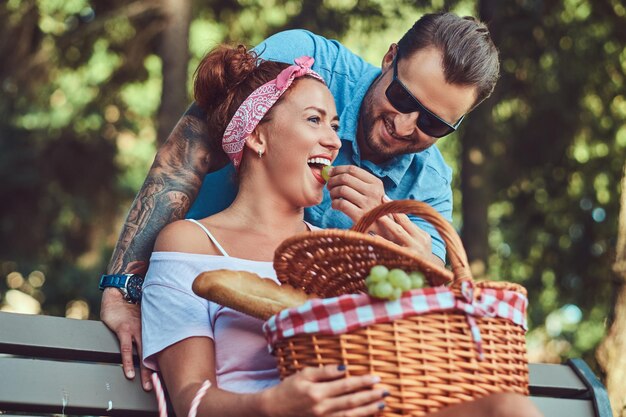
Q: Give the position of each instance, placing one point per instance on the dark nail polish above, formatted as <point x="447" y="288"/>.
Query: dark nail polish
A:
<point x="381" y="406"/>
<point x="341" y="367"/>
<point x="386" y="394"/>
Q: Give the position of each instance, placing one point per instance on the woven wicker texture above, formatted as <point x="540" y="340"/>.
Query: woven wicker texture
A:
<point x="426" y="362"/>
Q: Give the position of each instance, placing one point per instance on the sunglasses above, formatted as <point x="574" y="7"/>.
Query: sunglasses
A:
<point x="403" y="100"/>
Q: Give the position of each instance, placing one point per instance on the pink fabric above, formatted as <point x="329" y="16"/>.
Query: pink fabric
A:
<point x="257" y="104"/>
<point x="162" y="404"/>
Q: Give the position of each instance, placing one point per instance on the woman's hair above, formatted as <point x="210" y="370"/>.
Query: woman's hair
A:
<point x="223" y="80"/>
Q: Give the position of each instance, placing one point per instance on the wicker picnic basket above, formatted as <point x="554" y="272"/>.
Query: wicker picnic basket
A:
<point x="425" y="361"/>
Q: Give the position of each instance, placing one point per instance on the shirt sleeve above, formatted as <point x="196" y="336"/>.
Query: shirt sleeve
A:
<point x="170" y="311"/>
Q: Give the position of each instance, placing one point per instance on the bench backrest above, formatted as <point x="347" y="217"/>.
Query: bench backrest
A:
<point x="53" y="365"/>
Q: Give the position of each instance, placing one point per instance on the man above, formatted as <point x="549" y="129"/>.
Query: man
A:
<point x="442" y="68"/>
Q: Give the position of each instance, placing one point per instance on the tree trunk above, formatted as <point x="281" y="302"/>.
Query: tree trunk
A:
<point x="610" y="354"/>
<point x="475" y="184"/>
<point x="174" y="53"/>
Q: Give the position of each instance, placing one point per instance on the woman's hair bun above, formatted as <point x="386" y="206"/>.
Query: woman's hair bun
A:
<point x="221" y="71"/>
<point x="223" y="80"/>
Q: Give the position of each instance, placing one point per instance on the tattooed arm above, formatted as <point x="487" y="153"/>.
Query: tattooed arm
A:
<point x="172" y="184"/>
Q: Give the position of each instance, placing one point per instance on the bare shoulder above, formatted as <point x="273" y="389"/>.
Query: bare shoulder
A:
<point x="184" y="236"/>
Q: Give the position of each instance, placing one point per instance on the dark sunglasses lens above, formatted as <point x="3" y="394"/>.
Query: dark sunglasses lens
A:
<point x="432" y="126"/>
<point x="399" y="98"/>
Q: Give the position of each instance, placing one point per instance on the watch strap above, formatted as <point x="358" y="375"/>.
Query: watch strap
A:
<point x="114" y="280"/>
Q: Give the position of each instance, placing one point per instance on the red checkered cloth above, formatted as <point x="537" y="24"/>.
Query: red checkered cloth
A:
<point x="339" y="315"/>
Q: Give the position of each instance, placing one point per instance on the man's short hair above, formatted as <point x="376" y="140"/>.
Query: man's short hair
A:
<point x="469" y="55"/>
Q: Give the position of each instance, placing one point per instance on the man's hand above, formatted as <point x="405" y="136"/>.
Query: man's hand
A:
<point x="354" y="191"/>
<point x="399" y="229"/>
<point x="124" y="320"/>
<point x="171" y="185"/>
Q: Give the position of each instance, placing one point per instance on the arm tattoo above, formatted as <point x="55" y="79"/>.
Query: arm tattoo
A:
<point x="171" y="185"/>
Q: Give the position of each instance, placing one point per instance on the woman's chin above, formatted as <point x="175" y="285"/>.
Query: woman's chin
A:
<point x="313" y="199"/>
<point x="310" y="202"/>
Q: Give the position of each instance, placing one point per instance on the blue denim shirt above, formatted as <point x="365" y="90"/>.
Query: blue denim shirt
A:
<point x="422" y="176"/>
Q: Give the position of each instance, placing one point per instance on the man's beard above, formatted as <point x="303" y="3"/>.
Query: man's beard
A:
<point x="377" y="147"/>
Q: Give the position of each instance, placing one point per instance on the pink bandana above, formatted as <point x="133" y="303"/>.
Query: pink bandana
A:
<point x="257" y="104"/>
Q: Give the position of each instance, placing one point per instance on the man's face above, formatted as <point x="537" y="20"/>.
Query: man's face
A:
<point x="384" y="132"/>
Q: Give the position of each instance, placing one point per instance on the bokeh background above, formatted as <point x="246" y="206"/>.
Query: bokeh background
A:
<point x="89" y="88"/>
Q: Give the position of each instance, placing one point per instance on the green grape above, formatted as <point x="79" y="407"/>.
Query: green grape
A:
<point x="399" y="279"/>
<point x="379" y="273"/>
<point x="368" y="281"/>
<point x="326" y="172"/>
<point x="383" y="290"/>
<point x="397" y="293"/>
<point x="417" y="280"/>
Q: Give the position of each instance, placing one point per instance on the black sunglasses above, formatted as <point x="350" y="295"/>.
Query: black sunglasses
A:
<point x="403" y="100"/>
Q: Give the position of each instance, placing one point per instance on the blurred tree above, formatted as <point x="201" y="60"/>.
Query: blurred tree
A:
<point x="545" y="157"/>
<point x="174" y="97"/>
<point x="611" y="352"/>
<point x="65" y="66"/>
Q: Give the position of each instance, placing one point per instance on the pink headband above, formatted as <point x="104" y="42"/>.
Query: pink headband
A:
<point x="257" y="104"/>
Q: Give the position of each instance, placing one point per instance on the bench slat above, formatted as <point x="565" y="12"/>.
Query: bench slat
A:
<point x="553" y="380"/>
<point x="57" y="337"/>
<point x="34" y="385"/>
<point x="557" y="407"/>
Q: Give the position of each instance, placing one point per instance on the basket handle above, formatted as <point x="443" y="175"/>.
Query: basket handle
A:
<point x="456" y="252"/>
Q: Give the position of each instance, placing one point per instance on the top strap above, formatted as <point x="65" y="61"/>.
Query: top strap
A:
<point x="211" y="237"/>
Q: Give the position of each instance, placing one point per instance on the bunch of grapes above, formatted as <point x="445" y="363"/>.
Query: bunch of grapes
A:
<point x="386" y="284"/>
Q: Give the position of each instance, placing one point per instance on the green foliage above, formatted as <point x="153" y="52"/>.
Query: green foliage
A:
<point x="555" y="162"/>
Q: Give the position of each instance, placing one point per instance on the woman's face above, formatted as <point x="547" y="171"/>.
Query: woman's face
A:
<point x="301" y="138"/>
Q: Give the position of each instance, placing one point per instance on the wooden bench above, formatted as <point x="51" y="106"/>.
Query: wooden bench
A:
<point x="53" y="365"/>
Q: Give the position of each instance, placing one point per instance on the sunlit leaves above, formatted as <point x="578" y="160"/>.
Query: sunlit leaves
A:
<point x="142" y="98"/>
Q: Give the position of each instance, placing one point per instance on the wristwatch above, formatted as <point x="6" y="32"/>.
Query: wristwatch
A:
<point x="128" y="284"/>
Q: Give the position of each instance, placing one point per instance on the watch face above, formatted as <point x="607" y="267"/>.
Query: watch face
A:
<point x="134" y="288"/>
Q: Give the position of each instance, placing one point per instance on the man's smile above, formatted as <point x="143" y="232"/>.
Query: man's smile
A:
<point x="390" y="131"/>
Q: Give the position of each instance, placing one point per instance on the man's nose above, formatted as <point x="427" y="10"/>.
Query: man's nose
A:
<point x="405" y="123"/>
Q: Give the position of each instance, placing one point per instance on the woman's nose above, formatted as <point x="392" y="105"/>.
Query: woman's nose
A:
<point x="405" y="123"/>
<point x="331" y="140"/>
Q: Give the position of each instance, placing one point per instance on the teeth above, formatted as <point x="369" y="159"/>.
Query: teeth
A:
<point x="320" y="161"/>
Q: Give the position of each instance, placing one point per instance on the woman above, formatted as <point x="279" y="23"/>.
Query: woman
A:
<point x="278" y="125"/>
<point x="279" y="165"/>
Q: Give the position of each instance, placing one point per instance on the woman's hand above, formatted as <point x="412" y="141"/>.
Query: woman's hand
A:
<point x="316" y="392"/>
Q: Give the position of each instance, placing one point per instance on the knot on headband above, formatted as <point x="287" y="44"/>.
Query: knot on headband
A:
<point x="257" y="104"/>
<point x="302" y="67"/>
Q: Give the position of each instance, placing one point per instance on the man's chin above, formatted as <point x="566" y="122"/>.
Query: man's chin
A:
<point x="379" y="151"/>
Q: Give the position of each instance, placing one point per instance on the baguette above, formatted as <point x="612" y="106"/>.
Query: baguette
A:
<point x="248" y="293"/>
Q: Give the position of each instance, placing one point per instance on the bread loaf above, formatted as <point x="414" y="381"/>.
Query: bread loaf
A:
<point x="247" y="292"/>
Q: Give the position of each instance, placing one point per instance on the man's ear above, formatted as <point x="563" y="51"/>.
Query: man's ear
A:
<point x="389" y="56"/>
